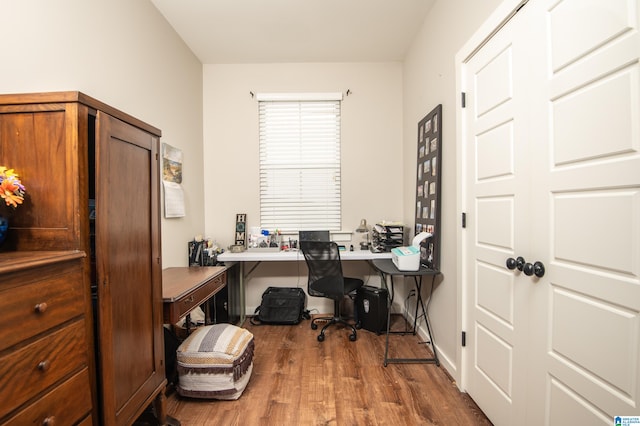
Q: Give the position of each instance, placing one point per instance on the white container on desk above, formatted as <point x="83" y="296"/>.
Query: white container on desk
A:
<point x="406" y="258"/>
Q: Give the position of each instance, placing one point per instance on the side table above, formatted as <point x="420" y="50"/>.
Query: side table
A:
<point x="387" y="268"/>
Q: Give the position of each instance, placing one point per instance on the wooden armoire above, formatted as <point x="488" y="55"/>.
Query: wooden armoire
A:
<point x="87" y="242"/>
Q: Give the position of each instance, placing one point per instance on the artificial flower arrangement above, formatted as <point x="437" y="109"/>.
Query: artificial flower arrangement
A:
<point x="11" y="189"/>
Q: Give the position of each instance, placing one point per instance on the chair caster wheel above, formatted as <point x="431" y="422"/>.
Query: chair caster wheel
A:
<point x="314" y="326"/>
<point x="353" y="337"/>
<point x="320" y="337"/>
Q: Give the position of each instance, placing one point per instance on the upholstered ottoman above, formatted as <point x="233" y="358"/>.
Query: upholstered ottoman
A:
<point x="215" y="361"/>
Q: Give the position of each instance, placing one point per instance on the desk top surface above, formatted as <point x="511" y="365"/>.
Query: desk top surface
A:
<point x="293" y="255"/>
<point x="386" y="266"/>
<point x="176" y="282"/>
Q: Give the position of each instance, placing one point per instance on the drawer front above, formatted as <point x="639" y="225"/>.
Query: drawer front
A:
<point x="66" y="404"/>
<point x="88" y="421"/>
<point x="31" y="369"/>
<point x="40" y="304"/>
<point x="200" y="295"/>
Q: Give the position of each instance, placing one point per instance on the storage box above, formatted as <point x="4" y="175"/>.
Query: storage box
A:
<point x="406" y="258"/>
<point x="371" y="308"/>
<point x="215" y="362"/>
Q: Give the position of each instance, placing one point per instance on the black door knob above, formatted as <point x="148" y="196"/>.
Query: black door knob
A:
<point x="528" y="269"/>
<point x="536" y="269"/>
<point x="516" y="263"/>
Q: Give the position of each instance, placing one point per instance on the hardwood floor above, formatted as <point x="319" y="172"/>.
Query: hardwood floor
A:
<point x="297" y="380"/>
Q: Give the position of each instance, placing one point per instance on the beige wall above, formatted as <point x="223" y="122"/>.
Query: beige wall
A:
<point x="379" y="119"/>
<point x="371" y="147"/>
<point x="125" y="54"/>
<point x="429" y="80"/>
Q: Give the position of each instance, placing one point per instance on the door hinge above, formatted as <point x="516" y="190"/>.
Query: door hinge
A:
<point x="464" y="339"/>
<point x="464" y="100"/>
<point x="464" y="220"/>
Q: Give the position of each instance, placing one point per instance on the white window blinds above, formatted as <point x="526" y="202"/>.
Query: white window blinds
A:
<point x="300" y="165"/>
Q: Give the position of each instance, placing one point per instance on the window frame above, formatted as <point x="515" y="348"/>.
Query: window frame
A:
<point x="300" y="161"/>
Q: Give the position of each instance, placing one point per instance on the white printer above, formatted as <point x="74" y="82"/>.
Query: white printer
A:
<point x="408" y="258"/>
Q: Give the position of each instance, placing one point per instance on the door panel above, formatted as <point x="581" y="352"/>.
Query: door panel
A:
<point x="494" y="82"/>
<point x="495" y="215"/>
<point x="598" y="115"/>
<point x="574" y="234"/>
<point x="494" y="155"/>
<point x="494" y="360"/>
<point x="569" y="408"/>
<point x="590" y="210"/>
<point x="575" y="347"/>
<point x="495" y="162"/>
<point x="552" y="173"/>
<point x="129" y="290"/>
<point x="495" y="292"/>
<point x="599" y="22"/>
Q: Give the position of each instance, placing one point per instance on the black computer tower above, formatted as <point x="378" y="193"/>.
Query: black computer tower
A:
<point x="219" y="306"/>
<point x="371" y="308"/>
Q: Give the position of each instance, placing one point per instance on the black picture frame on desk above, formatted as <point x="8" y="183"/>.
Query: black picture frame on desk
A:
<point x="428" y="186"/>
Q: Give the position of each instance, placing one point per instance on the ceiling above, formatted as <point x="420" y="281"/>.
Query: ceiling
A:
<point x="272" y="31"/>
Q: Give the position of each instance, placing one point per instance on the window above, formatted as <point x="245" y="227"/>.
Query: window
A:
<point x="300" y="162"/>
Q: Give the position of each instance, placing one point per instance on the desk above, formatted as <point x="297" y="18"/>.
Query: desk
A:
<point x="184" y="289"/>
<point x="388" y="269"/>
<point x="282" y="256"/>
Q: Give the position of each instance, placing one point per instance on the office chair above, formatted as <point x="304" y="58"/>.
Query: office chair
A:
<point x="326" y="280"/>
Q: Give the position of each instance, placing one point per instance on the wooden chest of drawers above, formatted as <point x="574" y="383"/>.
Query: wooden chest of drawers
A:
<point x="45" y="348"/>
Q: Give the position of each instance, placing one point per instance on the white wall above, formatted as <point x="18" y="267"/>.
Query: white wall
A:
<point x="371" y="148"/>
<point x="429" y="80"/>
<point x="125" y="54"/>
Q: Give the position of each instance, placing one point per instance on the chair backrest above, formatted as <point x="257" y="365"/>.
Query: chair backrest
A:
<point x="323" y="235"/>
<point x="325" y="268"/>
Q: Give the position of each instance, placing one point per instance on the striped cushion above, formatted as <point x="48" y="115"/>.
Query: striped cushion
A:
<point x="215" y="361"/>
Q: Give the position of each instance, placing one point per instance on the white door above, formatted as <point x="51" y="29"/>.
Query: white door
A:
<point x="563" y="348"/>
<point x="498" y="196"/>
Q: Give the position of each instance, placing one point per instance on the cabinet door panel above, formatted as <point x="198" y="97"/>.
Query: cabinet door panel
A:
<point x="128" y="266"/>
<point x="36" y="144"/>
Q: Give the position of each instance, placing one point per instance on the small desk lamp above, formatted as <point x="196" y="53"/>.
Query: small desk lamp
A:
<point x="363" y="229"/>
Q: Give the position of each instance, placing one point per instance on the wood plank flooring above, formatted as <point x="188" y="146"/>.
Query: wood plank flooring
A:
<point x="297" y="380"/>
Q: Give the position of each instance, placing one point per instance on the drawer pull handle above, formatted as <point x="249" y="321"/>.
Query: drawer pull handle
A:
<point x="41" y="307"/>
<point x="43" y="365"/>
<point x="49" y="421"/>
<point x="189" y="299"/>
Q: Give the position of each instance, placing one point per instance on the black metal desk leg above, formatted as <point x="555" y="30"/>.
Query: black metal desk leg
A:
<point x="389" y="304"/>
<point x="418" y="283"/>
<point x="420" y="304"/>
<point x="387" y="268"/>
<point x="426" y="318"/>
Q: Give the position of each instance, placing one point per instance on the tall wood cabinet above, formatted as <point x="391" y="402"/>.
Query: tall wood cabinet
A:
<point x="92" y="179"/>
